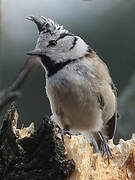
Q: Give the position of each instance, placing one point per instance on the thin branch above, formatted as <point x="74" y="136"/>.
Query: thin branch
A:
<point x="13" y="91"/>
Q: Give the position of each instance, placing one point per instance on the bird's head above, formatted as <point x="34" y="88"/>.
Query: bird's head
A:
<point x="56" y="43"/>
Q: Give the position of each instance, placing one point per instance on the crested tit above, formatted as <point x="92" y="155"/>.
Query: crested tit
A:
<point x="78" y="84"/>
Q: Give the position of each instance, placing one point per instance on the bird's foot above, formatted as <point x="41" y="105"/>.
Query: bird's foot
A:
<point x="64" y="131"/>
<point x="104" y="147"/>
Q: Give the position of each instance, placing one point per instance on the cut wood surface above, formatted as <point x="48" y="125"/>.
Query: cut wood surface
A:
<point x="27" y="154"/>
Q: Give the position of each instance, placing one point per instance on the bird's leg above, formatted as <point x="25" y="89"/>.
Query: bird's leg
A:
<point x="64" y="131"/>
<point x="104" y="148"/>
<point x="102" y="143"/>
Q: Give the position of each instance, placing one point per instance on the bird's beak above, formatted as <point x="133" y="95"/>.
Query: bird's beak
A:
<point x="35" y="52"/>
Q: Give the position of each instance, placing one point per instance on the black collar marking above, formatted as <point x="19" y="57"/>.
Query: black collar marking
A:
<point x="53" y="67"/>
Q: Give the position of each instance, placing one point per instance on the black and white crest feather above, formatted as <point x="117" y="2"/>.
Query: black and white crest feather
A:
<point x="46" y="24"/>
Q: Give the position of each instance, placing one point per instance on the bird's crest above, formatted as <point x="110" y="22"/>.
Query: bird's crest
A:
<point x="46" y="24"/>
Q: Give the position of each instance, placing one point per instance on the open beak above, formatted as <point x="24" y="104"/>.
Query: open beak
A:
<point x="35" y="52"/>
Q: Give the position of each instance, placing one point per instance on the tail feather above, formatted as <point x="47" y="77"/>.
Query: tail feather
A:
<point x="110" y="127"/>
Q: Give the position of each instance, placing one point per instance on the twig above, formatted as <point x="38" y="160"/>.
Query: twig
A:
<point x="13" y="91"/>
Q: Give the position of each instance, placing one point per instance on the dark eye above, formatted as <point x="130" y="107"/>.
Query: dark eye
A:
<point x="52" y="43"/>
<point x="43" y="29"/>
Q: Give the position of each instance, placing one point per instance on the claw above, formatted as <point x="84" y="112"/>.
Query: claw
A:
<point x="104" y="148"/>
<point x="63" y="132"/>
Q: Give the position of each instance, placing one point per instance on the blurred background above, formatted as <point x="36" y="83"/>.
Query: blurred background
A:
<point x="108" y="26"/>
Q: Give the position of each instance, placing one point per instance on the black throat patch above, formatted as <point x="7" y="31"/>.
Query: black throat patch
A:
<point x="52" y="67"/>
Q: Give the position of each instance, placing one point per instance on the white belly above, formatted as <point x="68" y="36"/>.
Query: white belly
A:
<point x="73" y="102"/>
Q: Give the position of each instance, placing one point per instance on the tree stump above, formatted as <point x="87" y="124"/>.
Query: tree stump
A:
<point x="26" y="154"/>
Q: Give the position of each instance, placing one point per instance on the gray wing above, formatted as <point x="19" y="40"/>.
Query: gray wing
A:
<point x="111" y="124"/>
<point x="110" y="127"/>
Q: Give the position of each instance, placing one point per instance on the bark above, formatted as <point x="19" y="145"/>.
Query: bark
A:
<point x="29" y="154"/>
<point x="26" y="154"/>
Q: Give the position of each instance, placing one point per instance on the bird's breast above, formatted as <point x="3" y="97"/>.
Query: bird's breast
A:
<point x="72" y="98"/>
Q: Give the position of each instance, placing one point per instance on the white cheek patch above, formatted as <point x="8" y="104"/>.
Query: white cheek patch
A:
<point x="71" y="47"/>
<point x="65" y="44"/>
<point x="79" y="49"/>
<point x="68" y="47"/>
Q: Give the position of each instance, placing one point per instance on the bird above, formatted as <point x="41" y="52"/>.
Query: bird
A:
<point x="82" y="95"/>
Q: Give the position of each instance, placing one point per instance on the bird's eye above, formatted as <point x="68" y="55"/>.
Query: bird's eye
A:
<point x="43" y="28"/>
<point x="52" y="43"/>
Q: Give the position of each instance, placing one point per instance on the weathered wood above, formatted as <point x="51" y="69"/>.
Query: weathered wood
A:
<point x="26" y="154"/>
